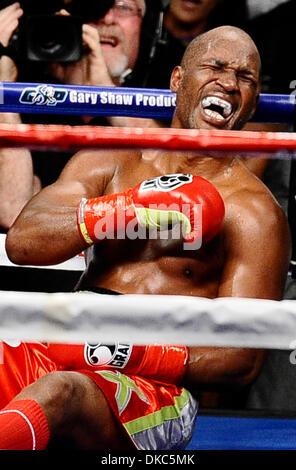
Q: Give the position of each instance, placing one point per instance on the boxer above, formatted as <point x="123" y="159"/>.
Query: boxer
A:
<point x="98" y="199"/>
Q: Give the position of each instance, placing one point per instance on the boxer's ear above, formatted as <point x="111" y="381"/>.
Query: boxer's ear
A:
<point x="176" y="77"/>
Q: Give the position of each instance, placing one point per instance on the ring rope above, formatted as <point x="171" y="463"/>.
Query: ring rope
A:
<point x="79" y="317"/>
<point x="59" y="137"/>
<point x="123" y="101"/>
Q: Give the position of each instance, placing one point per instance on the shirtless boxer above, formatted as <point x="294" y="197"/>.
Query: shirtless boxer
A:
<point x="246" y="255"/>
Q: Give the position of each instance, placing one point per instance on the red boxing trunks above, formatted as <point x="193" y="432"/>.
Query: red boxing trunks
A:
<point x="156" y="416"/>
<point x="20" y="365"/>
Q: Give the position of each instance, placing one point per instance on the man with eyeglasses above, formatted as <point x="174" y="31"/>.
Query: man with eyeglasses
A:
<point x="112" y="44"/>
<point x="119" y="32"/>
<point x="111" y="41"/>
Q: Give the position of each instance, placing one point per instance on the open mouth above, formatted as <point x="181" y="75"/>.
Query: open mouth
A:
<point x="216" y="108"/>
<point x="109" y="40"/>
<point x="190" y="4"/>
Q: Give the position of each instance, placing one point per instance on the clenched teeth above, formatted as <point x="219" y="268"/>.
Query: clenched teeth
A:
<point x="108" y="40"/>
<point x="214" y="115"/>
<point x="224" y="107"/>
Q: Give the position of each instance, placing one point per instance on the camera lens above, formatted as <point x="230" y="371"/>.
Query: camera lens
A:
<point x="53" y="38"/>
<point x="49" y="42"/>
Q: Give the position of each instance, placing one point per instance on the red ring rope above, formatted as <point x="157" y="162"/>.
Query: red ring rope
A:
<point x="46" y="137"/>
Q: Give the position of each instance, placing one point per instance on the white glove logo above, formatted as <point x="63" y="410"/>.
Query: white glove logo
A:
<point x="166" y="182"/>
<point x="111" y="355"/>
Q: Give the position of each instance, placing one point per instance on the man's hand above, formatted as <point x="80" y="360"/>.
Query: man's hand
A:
<point x="9" y="21"/>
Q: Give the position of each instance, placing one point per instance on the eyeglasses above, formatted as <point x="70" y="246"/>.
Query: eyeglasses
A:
<point x="126" y="8"/>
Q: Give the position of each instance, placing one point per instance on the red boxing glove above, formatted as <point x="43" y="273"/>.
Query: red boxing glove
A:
<point x="159" y="203"/>
<point x="165" y="363"/>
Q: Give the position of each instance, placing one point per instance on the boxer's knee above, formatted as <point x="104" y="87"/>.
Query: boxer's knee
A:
<point x="76" y="408"/>
<point x="58" y="394"/>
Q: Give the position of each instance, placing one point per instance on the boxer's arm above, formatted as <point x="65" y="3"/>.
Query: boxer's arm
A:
<point x="162" y="362"/>
<point x="257" y="261"/>
<point x="258" y="249"/>
<point x="46" y="230"/>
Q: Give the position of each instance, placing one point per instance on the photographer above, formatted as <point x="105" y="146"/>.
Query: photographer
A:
<point x="110" y="39"/>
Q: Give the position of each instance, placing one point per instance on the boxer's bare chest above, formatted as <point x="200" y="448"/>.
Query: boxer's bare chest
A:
<point x="157" y="267"/>
<point x="156" y="264"/>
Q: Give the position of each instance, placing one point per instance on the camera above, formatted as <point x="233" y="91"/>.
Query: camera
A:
<point x="45" y="36"/>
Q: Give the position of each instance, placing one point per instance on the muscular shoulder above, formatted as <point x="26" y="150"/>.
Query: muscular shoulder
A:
<point x="253" y="213"/>
<point x="90" y="167"/>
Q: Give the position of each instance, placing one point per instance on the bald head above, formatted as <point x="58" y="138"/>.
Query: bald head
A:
<point x="213" y="37"/>
<point x="218" y="82"/>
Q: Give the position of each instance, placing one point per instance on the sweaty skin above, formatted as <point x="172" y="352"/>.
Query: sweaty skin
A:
<point x="249" y="258"/>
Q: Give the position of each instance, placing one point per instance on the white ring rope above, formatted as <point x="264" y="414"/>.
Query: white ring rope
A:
<point x="79" y="317"/>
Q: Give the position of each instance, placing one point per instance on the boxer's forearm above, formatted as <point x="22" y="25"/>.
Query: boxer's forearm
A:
<point x="35" y="239"/>
<point x="219" y="368"/>
<point x="46" y="231"/>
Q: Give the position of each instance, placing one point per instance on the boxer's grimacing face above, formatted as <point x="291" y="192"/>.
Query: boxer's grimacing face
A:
<point x="218" y="86"/>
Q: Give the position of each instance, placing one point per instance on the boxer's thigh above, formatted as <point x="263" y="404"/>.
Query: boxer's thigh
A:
<point x="75" y="407"/>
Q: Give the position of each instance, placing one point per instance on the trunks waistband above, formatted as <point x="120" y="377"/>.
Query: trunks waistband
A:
<point x="99" y="290"/>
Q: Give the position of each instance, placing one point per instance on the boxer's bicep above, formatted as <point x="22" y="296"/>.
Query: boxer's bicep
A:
<point x="257" y="255"/>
